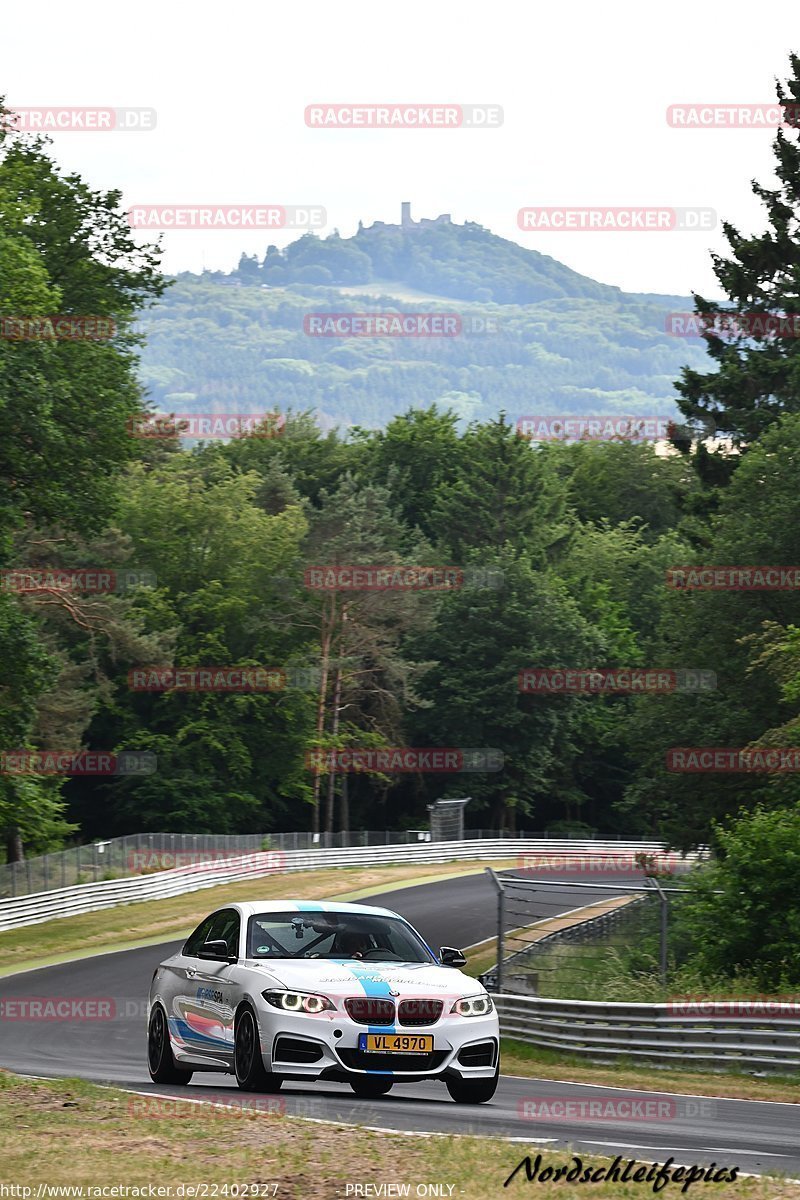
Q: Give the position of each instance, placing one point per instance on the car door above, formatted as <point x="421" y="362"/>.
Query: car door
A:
<point x="215" y="993"/>
<point x="178" y="988"/>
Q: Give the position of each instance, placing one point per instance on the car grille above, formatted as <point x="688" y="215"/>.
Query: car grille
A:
<point x="370" y="1010"/>
<point x="419" y="1012"/>
<point x="360" y="1060"/>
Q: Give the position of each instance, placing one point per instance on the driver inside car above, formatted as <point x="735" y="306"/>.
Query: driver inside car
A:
<point x="350" y="943"/>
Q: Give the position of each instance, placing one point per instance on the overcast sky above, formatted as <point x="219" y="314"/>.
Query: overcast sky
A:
<point x="584" y="87"/>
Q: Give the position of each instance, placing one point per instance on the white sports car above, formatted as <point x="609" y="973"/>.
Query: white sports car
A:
<point x="303" y="990"/>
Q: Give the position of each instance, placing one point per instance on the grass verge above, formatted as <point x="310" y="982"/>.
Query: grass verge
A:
<point x="70" y="1133"/>
<point x="152" y="921"/>
<point x="518" y="1058"/>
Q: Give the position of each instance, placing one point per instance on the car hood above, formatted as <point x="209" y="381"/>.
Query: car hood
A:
<point x="354" y="978"/>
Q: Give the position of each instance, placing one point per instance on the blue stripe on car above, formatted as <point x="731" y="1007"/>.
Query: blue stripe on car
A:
<point x="188" y="1035"/>
<point x="365" y="977"/>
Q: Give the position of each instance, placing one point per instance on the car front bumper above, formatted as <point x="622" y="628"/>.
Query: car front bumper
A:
<point x="465" y="1047"/>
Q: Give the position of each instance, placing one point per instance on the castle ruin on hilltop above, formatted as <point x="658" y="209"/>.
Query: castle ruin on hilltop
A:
<point x="408" y="222"/>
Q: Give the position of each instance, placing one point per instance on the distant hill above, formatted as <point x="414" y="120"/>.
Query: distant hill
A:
<point x="536" y="337"/>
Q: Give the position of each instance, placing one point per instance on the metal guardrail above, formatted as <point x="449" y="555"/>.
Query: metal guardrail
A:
<point x="655" y="1032"/>
<point x="91" y="897"/>
<point x="114" y="858"/>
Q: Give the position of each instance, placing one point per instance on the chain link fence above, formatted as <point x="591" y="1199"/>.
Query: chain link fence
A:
<point x="587" y="940"/>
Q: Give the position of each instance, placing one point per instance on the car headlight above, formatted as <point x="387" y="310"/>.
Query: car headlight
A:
<point x="473" y="1006"/>
<point x="302" y="1002"/>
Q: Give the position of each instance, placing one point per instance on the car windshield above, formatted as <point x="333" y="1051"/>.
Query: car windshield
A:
<point x="334" y="935"/>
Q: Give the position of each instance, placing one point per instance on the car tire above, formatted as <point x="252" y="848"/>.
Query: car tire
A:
<point x="160" y="1061"/>
<point x="473" y="1091"/>
<point x="372" y="1087"/>
<point x="251" y="1074"/>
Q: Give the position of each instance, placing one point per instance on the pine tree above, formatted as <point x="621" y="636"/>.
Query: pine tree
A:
<point x="757" y="375"/>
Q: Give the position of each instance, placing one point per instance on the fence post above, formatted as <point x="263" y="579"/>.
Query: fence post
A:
<point x="663" y="932"/>
<point x="664" y="919"/>
<point x="498" y="883"/>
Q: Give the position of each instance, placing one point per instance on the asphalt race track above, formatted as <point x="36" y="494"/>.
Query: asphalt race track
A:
<point x="752" y="1135"/>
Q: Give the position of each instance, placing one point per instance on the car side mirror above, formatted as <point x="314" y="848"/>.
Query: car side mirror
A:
<point x="218" y="951"/>
<point x="450" y="957"/>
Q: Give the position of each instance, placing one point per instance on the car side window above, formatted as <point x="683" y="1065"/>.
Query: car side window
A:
<point x="225" y="928"/>
<point x="195" y="940"/>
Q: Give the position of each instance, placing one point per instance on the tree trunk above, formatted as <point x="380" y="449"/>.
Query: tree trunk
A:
<point x="344" y="812"/>
<point x="325" y="646"/>
<point x="337" y="697"/>
<point x="337" y="704"/>
<point x="14" y="851"/>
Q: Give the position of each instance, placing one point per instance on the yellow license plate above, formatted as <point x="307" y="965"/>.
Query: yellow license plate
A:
<point x="396" y="1043"/>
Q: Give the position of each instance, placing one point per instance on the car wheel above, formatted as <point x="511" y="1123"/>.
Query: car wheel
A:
<point x="371" y="1087"/>
<point x="160" y="1062"/>
<point x="251" y="1074"/>
<point x="473" y="1091"/>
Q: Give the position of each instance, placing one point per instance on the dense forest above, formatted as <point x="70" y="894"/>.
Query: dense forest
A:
<point x="556" y="556"/>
